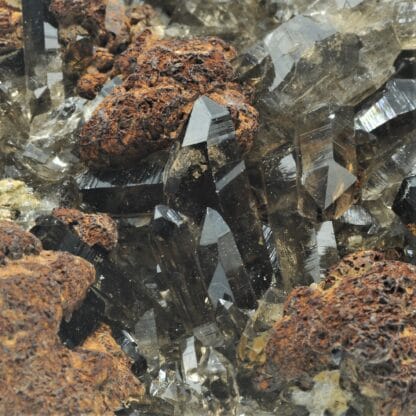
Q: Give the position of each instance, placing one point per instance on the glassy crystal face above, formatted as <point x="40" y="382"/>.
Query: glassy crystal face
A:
<point x="398" y="98"/>
<point x="405" y="203"/>
<point x="327" y="161"/>
<point x="215" y="162"/>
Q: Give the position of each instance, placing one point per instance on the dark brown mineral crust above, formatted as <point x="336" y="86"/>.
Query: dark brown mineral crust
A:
<point x="16" y="243"/>
<point x="194" y="63"/>
<point x="360" y="319"/>
<point x="90" y="84"/>
<point x="93" y="33"/>
<point x="11" y="29"/>
<point x="40" y="376"/>
<point x="149" y="112"/>
<point x="93" y="229"/>
<point x="130" y="124"/>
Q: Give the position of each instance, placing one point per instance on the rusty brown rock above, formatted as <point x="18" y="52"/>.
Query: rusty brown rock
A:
<point x="361" y="317"/>
<point x="103" y="59"/>
<point x="93" y="229"/>
<point x="93" y="32"/>
<point x="39" y="374"/>
<point x="11" y="29"/>
<point x="194" y="63"/>
<point x="15" y="242"/>
<point x="90" y="84"/>
<point x="132" y="123"/>
<point x="89" y="14"/>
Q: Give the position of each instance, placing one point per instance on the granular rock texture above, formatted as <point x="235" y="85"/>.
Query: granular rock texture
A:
<point x="16" y="243"/>
<point x="11" y="30"/>
<point x="361" y="318"/>
<point x="90" y="84"/>
<point x="194" y="63"/>
<point x="39" y="374"/>
<point x="93" y="229"/>
<point x="150" y="110"/>
<point x="130" y="124"/>
<point x="93" y="33"/>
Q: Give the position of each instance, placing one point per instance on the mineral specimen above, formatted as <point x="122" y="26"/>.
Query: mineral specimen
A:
<point x="170" y="74"/>
<point x="195" y="64"/>
<point x="398" y="98"/>
<point x="93" y="229"/>
<point x="125" y="129"/>
<point x="327" y="162"/>
<point x="126" y="191"/>
<point x="359" y="320"/>
<point x="124" y="294"/>
<point x="11" y="29"/>
<point x="40" y="374"/>
<point x="405" y="203"/>
<point x="174" y="240"/>
<point x="93" y="33"/>
<point x="16" y="199"/>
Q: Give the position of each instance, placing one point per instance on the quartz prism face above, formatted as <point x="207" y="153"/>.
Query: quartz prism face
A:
<point x="208" y="121"/>
<point x="173" y="240"/>
<point x="398" y="98"/>
<point x="327" y="162"/>
<point x="127" y="191"/>
<point x="210" y="133"/>
<point x="405" y="203"/>
<point x="405" y="23"/>
<point x="221" y="261"/>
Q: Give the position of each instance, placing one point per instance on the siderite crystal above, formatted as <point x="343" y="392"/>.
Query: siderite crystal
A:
<point x="327" y="162"/>
<point x="356" y="320"/>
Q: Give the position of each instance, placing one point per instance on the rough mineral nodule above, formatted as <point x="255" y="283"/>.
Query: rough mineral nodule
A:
<point x="360" y="319"/>
<point x="39" y="374"/>
<point x="150" y="110"/>
<point x="93" y="33"/>
<point x="92" y="229"/>
<point x="11" y="30"/>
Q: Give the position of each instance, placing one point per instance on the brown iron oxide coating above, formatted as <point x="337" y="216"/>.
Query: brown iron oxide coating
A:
<point x="93" y="33"/>
<point x="11" y="29"/>
<point x="364" y="312"/>
<point x="16" y="243"/>
<point x="92" y="229"/>
<point x="150" y="110"/>
<point x="40" y="376"/>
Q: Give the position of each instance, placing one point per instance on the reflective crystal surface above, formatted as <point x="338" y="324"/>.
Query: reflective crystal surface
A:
<point x="398" y="98"/>
<point x="327" y="161"/>
<point x="232" y="188"/>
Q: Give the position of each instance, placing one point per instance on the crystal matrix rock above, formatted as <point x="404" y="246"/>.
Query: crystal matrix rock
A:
<point x="344" y="323"/>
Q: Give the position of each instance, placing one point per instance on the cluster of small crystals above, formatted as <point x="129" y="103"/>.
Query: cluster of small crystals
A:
<point x="214" y="231"/>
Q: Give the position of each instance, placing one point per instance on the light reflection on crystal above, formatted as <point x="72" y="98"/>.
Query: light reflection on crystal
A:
<point x="398" y="98"/>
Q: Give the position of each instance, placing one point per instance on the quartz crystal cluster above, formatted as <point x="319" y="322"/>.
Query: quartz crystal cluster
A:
<point x="221" y="198"/>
